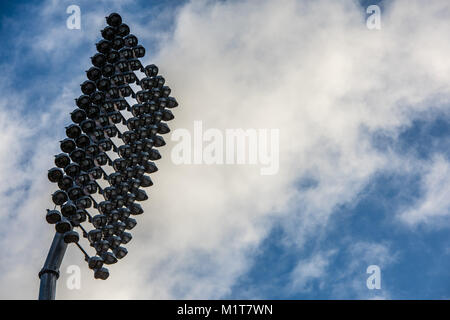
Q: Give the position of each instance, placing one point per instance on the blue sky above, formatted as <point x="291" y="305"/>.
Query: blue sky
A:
<point x="364" y="150"/>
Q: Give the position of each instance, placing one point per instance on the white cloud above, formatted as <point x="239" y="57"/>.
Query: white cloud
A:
<point x="311" y="69"/>
<point x="310" y="270"/>
<point x="351" y="281"/>
<point x="433" y="208"/>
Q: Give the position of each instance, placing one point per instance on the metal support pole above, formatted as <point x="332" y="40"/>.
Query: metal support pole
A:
<point x="50" y="272"/>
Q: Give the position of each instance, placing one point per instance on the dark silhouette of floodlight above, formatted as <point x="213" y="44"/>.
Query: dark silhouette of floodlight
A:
<point x="94" y="142"/>
<point x="101" y="273"/>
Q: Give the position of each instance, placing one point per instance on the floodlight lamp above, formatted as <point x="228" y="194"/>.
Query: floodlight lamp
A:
<point x="158" y="141"/>
<point x="73" y="131"/>
<point x="101" y="159"/>
<point x="83" y="203"/>
<point x="120" y="252"/>
<point x="99" y="221"/>
<point x="150" y="167"/>
<point x="139" y="51"/>
<point x="141" y="195"/>
<point x="118" y="43"/>
<point x="83" y="178"/>
<point x="59" y="197"/>
<point x="75" y="193"/>
<point x="103" y="84"/>
<point x="156" y="93"/>
<point x="163" y="128"/>
<point x="108" y="33"/>
<point x="108" y="70"/>
<point x="105" y="207"/>
<point x="95" y="173"/>
<point x="109" y="192"/>
<point x="114" y="241"/>
<point x="90" y="188"/>
<point x="103" y="46"/>
<point x="105" y="145"/>
<point x="111" y="131"/>
<point x="157" y="116"/>
<point x="101" y="273"/>
<point x="151" y="70"/>
<point x="53" y="216"/>
<point x="88" y="87"/>
<point x="114" y="215"/>
<point x="123" y="66"/>
<point x="130" y="77"/>
<point x="83" y="101"/>
<point x="166" y="91"/>
<point x="63" y="225"/>
<point x="55" y="175"/>
<point x="114" y="19"/>
<point x="112" y="56"/>
<point x="172" y="102"/>
<point x="146" y="181"/>
<point x="108" y="258"/>
<point x="83" y="141"/>
<point x="81" y="215"/>
<point x="95" y="262"/>
<point x="119" y="226"/>
<point x="108" y="230"/>
<point x="65" y="183"/>
<point x="78" y="115"/>
<point x="126" y="53"/>
<point x="98" y="97"/>
<point x="87" y="163"/>
<point x="125" y="91"/>
<point x="167" y="115"/>
<point x="125" y="151"/>
<point x="71" y="237"/>
<point x="131" y="40"/>
<point x="72" y="170"/>
<point x="139" y="170"/>
<point x="135" y="64"/>
<point x="95" y="235"/>
<point x="67" y="145"/>
<point x="154" y="154"/>
<point x="98" y="60"/>
<point x="62" y="160"/>
<point x="93" y="73"/>
<point x="123" y="30"/>
<point x="118" y="79"/>
<point x="133" y="123"/>
<point x="121" y="104"/>
<point x="124" y="213"/>
<point x="126" y="237"/>
<point x="77" y="155"/>
<point x="136" y="209"/>
<point x="160" y="81"/>
<point x="68" y="209"/>
<point x="130" y="223"/>
<point x="93" y="111"/>
<point x="116" y="117"/>
<point x="115" y="178"/>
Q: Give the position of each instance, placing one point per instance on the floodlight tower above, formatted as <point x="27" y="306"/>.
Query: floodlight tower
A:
<point x="109" y="149"/>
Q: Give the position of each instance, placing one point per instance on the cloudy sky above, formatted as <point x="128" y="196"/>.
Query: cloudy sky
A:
<point x="364" y="135"/>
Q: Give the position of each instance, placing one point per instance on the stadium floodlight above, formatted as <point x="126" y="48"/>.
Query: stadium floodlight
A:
<point x="95" y="141"/>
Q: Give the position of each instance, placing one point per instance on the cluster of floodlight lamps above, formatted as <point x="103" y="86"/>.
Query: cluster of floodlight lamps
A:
<point x="81" y="166"/>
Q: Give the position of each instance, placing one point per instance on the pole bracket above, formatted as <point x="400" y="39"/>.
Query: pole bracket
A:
<point x="44" y="270"/>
